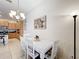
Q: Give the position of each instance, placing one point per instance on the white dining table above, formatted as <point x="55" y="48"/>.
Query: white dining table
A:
<point x="42" y="46"/>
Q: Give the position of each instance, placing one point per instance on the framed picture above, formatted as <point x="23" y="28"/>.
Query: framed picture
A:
<point x="40" y="23"/>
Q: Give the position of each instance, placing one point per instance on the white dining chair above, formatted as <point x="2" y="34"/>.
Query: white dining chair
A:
<point x="23" y="42"/>
<point x="31" y="50"/>
<point x="52" y="52"/>
<point x="55" y="49"/>
<point x="23" y="46"/>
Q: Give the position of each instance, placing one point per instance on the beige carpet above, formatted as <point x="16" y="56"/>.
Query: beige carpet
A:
<point x="12" y="50"/>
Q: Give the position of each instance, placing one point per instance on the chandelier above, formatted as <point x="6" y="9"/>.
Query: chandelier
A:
<point x="17" y="14"/>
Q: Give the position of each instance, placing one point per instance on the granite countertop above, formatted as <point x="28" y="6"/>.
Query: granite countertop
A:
<point x="6" y="31"/>
<point x="12" y="30"/>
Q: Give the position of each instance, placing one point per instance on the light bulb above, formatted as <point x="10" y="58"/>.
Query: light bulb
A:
<point x="10" y="15"/>
<point x="17" y="17"/>
<point x="13" y="12"/>
<point x="22" y="15"/>
<point x="75" y="12"/>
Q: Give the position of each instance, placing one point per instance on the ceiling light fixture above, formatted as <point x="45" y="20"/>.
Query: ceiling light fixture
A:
<point x="17" y="14"/>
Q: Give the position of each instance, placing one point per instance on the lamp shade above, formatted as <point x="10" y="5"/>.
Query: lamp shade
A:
<point x="10" y="15"/>
<point x="17" y="17"/>
<point x="22" y="15"/>
<point x="13" y="12"/>
<point x="75" y="12"/>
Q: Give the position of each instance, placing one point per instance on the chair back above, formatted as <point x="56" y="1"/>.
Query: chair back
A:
<point x="30" y="47"/>
<point x="54" y="50"/>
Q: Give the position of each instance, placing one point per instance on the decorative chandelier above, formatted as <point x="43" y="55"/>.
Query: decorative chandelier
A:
<point x="17" y="14"/>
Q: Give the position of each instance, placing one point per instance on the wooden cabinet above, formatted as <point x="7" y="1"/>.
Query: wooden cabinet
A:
<point x="13" y="25"/>
<point x="13" y="35"/>
<point x="19" y="27"/>
<point x="3" y="22"/>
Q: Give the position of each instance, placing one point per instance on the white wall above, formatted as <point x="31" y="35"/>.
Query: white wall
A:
<point x="59" y="25"/>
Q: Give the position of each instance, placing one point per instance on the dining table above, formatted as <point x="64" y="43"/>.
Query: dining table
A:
<point x="42" y="46"/>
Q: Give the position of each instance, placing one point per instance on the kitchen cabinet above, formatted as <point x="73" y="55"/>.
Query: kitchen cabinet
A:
<point x="3" y="22"/>
<point x="19" y="29"/>
<point x="18" y="26"/>
<point x="12" y="26"/>
<point x="13" y="35"/>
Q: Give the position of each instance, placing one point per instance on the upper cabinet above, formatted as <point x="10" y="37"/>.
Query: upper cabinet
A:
<point x="15" y="25"/>
<point x="3" y="22"/>
<point x="12" y="25"/>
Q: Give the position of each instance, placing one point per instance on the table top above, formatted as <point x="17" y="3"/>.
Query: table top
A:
<point x="43" y="46"/>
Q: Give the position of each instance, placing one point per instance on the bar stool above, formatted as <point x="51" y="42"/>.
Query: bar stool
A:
<point x="2" y="38"/>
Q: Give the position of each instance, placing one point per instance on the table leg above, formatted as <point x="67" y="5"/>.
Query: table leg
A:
<point x="27" y="51"/>
<point x="42" y="55"/>
<point x="3" y="41"/>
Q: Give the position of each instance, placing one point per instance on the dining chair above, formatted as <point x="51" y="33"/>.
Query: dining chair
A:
<point x="55" y="49"/>
<point x="52" y="52"/>
<point x="23" y="43"/>
<point x="23" y="46"/>
<point x="31" y="50"/>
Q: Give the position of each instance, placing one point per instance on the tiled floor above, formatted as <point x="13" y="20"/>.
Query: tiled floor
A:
<point x="12" y="50"/>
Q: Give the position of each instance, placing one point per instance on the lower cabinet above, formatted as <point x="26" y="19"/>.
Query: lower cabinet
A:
<point x="14" y="35"/>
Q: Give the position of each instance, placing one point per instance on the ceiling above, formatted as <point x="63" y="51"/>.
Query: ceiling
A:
<point x="5" y="8"/>
<point x="27" y="5"/>
<point x="24" y="6"/>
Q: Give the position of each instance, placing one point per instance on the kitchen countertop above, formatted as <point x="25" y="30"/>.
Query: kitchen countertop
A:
<point x="5" y="32"/>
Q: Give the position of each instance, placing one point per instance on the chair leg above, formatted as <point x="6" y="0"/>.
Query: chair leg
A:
<point x="25" y="56"/>
<point x="3" y="41"/>
<point x="33" y="55"/>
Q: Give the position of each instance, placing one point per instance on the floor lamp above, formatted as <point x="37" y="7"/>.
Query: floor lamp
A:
<point x="75" y="16"/>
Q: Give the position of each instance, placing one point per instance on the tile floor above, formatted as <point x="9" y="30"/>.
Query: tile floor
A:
<point x="12" y="50"/>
